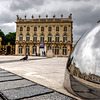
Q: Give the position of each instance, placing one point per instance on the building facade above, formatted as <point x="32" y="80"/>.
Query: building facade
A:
<point x="42" y="34"/>
<point x="7" y="49"/>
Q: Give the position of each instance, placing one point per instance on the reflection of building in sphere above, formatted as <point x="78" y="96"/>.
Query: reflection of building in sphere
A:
<point x="83" y="67"/>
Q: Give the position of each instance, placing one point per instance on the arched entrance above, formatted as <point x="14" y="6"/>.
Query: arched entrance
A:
<point x="8" y="50"/>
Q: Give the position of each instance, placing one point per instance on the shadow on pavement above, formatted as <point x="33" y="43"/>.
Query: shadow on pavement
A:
<point x="8" y="61"/>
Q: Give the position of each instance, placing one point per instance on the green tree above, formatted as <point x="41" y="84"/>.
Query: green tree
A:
<point x="3" y="37"/>
<point x="10" y="37"/>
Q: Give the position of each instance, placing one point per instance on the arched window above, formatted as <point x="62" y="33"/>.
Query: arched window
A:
<point x="49" y="38"/>
<point x="20" y="49"/>
<point x="49" y="48"/>
<point x="20" y="37"/>
<point x="28" y="28"/>
<point x="34" y="49"/>
<point x="56" y="50"/>
<point x="27" y="37"/>
<point x="34" y="37"/>
<point x="57" y="38"/>
<point x="64" y="38"/>
<point x="42" y="38"/>
<point x="64" y="50"/>
<point x="27" y="49"/>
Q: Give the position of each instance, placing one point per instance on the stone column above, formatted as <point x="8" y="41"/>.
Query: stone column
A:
<point x="68" y="50"/>
<point x="16" y="49"/>
<point x="24" y="50"/>
<point x="30" y="50"/>
<point x="60" y="50"/>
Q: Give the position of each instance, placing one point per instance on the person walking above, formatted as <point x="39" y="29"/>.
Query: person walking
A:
<point x="44" y="53"/>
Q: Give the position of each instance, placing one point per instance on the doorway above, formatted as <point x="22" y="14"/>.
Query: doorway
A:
<point x="8" y="50"/>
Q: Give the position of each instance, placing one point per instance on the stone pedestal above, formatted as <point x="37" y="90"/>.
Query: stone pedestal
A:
<point x="49" y="54"/>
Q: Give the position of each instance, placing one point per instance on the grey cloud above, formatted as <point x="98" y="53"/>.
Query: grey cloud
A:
<point x="6" y="17"/>
<point x="25" y="4"/>
<point x="84" y="18"/>
<point x="6" y="28"/>
<point x="86" y="15"/>
<point x="57" y="13"/>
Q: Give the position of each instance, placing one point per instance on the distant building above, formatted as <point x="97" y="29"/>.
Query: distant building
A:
<point x="42" y="34"/>
<point x="7" y="49"/>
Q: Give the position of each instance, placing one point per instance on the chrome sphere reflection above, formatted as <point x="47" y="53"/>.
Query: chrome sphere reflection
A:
<point x="82" y="76"/>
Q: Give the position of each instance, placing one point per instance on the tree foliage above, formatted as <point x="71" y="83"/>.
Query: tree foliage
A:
<point x="3" y="37"/>
<point x="10" y="37"/>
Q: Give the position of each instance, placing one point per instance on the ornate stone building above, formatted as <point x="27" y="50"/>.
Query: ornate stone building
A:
<point x="7" y="49"/>
<point x="39" y="35"/>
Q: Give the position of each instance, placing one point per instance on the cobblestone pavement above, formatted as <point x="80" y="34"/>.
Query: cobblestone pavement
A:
<point x="14" y="87"/>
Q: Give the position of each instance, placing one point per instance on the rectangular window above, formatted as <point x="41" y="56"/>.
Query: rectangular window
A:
<point x="34" y="49"/>
<point x="28" y="28"/>
<point x="56" y="51"/>
<point x="57" y="28"/>
<point x="27" y="49"/>
<point x="49" y="39"/>
<point x="65" y="28"/>
<point x="20" y="38"/>
<point x="64" y="51"/>
<point x="20" y="49"/>
<point x="49" y="29"/>
<point x="35" y="28"/>
<point x="27" y="38"/>
<point x="42" y="28"/>
<point x="34" y="39"/>
<point x="64" y="39"/>
<point x="57" y="39"/>
<point x="21" y="28"/>
<point x="42" y="39"/>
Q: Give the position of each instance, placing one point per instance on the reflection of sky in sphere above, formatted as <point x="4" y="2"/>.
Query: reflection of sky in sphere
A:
<point x="87" y="52"/>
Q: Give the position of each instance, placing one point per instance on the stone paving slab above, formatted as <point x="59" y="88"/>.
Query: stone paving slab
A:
<point x="10" y="78"/>
<point x="3" y="71"/>
<point x="15" y="84"/>
<point x="24" y="92"/>
<point x="50" y="96"/>
<point x="18" y="88"/>
<point x="6" y="74"/>
<point x="39" y="70"/>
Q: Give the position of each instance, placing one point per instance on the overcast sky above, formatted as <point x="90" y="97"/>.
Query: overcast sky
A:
<point x="85" y="13"/>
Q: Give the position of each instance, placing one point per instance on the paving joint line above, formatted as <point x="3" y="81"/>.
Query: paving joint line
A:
<point x="12" y="80"/>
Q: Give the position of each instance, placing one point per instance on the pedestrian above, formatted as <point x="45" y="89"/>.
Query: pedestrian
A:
<point x="44" y="53"/>
<point x="36" y="53"/>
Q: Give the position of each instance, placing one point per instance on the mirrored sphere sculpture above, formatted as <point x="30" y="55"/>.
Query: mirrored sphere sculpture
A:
<point x="82" y="75"/>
